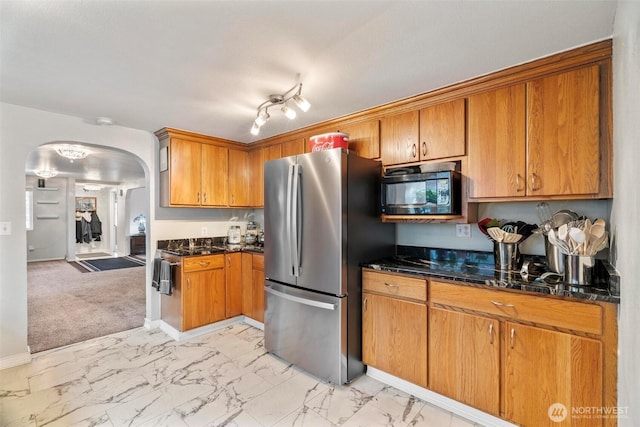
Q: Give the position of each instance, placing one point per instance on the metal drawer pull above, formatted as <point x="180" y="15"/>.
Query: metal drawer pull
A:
<point x="518" y="188"/>
<point x="534" y="178"/>
<point x="299" y="300"/>
<point x="513" y="333"/>
<point x="204" y="263"/>
<point x="391" y="285"/>
<point x="491" y="333"/>
<point x="501" y="304"/>
<point x="413" y="150"/>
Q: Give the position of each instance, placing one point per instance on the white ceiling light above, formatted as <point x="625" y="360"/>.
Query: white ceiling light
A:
<point x="46" y="173"/>
<point x="72" y="152"/>
<point x="263" y="109"/>
<point x="92" y="187"/>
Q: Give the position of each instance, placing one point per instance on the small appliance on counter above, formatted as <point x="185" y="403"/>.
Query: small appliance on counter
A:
<point x="251" y="235"/>
<point x="234" y="236"/>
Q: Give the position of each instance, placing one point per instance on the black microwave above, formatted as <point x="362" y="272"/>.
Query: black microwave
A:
<point x="430" y="193"/>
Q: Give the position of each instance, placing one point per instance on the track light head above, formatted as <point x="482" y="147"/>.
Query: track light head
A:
<point x="292" y="94"/>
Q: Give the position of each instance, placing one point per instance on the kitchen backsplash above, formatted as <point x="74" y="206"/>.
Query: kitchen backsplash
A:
<point x="444" y="235"/>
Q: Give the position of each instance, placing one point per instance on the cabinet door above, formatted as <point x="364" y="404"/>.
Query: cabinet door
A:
<point x="364" y="138"/>
<point x="399" y="138"/>
<point x="545" y="367"/>
<point x="394" y="337"/>
<point x="247" y="284"/>
<point x="464" y="358"/>
<point x="257" y="159"/>
<point x="203" y="298"/>
<point x="563" y="140"/>
<point x="215" y="172"/>
<point x="293" y="147"/>
<point x="497" y="143"/>
<point x="186" y="170"/>
<point x="442" y="130"/>
<point x="258" y="295"/>
<point x="238" y="178"/>
<point x="233" y="284"/>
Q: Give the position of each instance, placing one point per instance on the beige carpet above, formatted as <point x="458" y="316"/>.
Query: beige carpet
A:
<point x="66" y="306"/>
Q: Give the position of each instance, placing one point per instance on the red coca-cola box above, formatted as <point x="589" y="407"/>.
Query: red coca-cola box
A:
<point x="327" y="141"/>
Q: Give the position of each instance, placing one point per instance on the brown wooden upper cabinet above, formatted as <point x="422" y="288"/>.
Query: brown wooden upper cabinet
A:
<point x="197" y="174"/>
<point x="239" y="194"/>
<point x="293" y="147"/>
<point x="364" y="138"/>
<point x="442" y="130"/>
<point x="434" y="132"/>
<point x="257" y="159"/>
<point x="536" y="139"/>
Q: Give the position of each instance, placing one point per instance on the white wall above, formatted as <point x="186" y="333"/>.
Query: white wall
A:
<point x="625" y="212"/>
<point x="48" y="238"/>
<point x="22" y="130"/>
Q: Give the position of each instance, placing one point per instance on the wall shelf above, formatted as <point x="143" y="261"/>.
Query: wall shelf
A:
<point x="47" y="216"/>
<point x="47" y="202"/>
<point x="46" y="188"/>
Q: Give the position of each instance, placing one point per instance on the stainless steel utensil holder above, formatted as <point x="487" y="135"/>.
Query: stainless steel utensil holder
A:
<point x="578" y="269"/>
<point x="507" y="256"/>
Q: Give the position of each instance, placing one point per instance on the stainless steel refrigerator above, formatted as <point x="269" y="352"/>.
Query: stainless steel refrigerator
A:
<point x="321" y="221"/>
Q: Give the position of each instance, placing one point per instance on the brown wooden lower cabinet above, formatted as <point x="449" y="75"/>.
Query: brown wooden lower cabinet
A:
<point x="233" y="284"/>
<point x="253" y="286"/>
<point x="464" y="358"/>
<point x="203" y="293"/>
<point x="394" y="337"/>
<point x="505" y="353"/>
<point x="543" y="368"/>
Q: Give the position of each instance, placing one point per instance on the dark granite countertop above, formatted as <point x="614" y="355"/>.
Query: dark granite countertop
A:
<point x="204" y="246"/>
<point x="477" y="268"/>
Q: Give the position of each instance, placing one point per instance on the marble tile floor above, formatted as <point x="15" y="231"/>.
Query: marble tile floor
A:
<point x="225" y="378"/>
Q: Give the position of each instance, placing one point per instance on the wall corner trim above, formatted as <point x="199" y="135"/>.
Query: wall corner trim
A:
<point x="15" y="360"/>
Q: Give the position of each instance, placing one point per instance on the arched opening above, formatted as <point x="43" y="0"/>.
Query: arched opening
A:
<point x="83" y="281"/>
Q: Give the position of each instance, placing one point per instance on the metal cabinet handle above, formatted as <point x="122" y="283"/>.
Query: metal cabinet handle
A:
<point x="205" y="197"/>
<point x="501" y="304"/>
<point x="518" y="187"/>
<point x="413" y="150"/>
<point x="229" y="261"/>
<point x="534" y="178"/>
<point x="392" y="285"/>
<point x="511" y="336"/>
<point x="491" y="333"/>
<point x="198" y="197"/>
<point x="364" y="304"/>
<point x="188" y="283"/>
<point x="204" y="263"/>
<point x="233" y="199"/>
<point x="424" y="148"/>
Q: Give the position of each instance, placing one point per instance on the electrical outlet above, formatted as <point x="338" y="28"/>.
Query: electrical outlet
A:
<point x="5" y="228"/>
<point x="204" y="232"/>
<point x="463" y="230"/>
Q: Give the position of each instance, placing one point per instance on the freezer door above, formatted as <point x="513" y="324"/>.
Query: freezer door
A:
<point x="278" y="209"/>
<point x="308" y="330"/>
<point x="320" y="209"/>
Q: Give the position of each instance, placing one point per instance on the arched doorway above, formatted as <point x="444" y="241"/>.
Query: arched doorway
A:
<point x="67" y="304"/>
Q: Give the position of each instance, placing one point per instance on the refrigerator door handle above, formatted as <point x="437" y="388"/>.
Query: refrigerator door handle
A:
<point x="288" y="219"/>
<point x="305" y="301"/>
<point x="296" y="238"/>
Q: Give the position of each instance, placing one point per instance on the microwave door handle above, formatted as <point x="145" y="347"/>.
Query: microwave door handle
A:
<point x="288" y="220"/>
<point x="296" y="238"/>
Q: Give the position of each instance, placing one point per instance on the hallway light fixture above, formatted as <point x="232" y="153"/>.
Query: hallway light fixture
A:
<point x="46" y="173"/>
<point x="295" y="94"/>
<point x="71" y="151"/>
<point x="92" y="187"/>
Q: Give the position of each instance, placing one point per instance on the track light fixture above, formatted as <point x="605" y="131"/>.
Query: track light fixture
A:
<point x="292" y="94"/>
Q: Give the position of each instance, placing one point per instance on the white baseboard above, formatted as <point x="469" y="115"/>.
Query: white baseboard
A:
<point x="179" y="336"/>
<point x="151" y="324"/>
<point x="251" y="322"/>
<point x="15" y="360"/>
<point x="459" y="409"/>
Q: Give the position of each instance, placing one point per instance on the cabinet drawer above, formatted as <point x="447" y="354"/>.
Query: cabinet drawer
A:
<point x="572" y="315"/>
<point x="394" y="285"/>
<point x="258" y="262"/>
<point x="202" y="263"/>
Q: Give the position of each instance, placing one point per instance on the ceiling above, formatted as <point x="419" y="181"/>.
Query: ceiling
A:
<point x="205" y="66"/>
